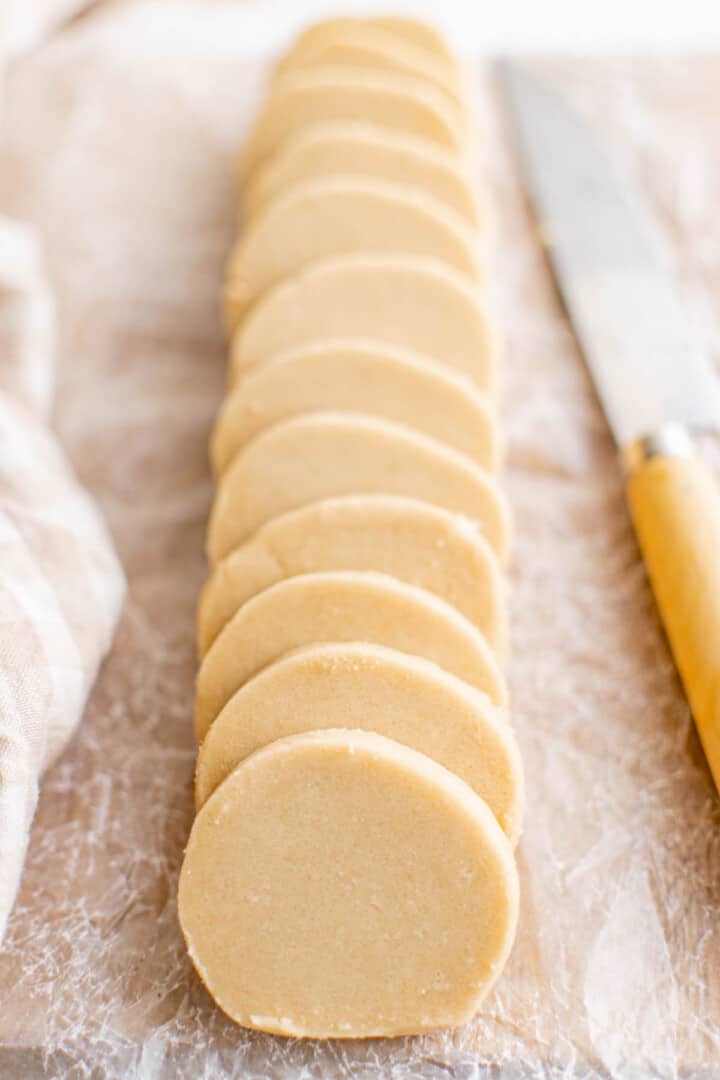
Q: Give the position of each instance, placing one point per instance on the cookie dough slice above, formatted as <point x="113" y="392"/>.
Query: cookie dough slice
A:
<point x="366" y="150"/>
<point x="412" y="541"/>
<point x="340" y="884"/>
<point x="414" y="31"/>
<point x="336" y="215"/>
<point x="341" y="606"/>
<point x="362" y="376"/>
<point x="418" y="304"/>
<point x="318" y="455"/>
<point x="357" y="685"/>
<point x="331" y="94"/>
<point x="372" y="48"/>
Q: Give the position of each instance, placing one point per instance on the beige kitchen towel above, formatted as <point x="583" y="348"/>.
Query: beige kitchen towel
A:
<point x="61" y="586"/>
<point x="27" y="321"/>
<point x="24" y="23"/>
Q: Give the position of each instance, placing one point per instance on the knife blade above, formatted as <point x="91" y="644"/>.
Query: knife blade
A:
<point x="651" y="375"/>
<point x="645" y="361"/>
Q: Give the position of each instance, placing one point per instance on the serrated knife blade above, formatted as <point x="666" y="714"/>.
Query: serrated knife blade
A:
<point x="653" y="379"/>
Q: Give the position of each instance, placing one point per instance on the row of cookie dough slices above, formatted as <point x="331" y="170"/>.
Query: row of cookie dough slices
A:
<point x="359" y="788"/>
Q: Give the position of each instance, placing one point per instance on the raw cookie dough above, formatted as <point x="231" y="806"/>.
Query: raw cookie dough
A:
<point x="361" y="376"/>
<point x="411" y="30"/>
<point x="419" y="304"/>
<point x="331" y="94"/>
<point x="338" y="884"/>
<point x="357" y="685"/>
<point x="317" y="455"/>
<point x="341" y="606"/>
<point x="371" y="48"/>
<point x="413" y="541"/>
<point x="366" y="150"/>
<point x="338" y="215"/>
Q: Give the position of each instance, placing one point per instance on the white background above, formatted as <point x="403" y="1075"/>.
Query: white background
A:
<point x="520" y="25"/>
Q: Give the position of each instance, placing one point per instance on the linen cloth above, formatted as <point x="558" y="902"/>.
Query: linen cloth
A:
<point x="25" y="23"/>
<point x="61" y="586"/>
<point x="120" y="145"/>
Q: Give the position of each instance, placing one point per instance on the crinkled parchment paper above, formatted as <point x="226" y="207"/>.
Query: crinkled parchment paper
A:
<point x="119" y="148"/>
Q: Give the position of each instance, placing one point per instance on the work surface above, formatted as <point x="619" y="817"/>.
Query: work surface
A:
<point x="120" y="150"/>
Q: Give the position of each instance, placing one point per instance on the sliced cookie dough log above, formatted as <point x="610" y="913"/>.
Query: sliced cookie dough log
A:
<point x="362" y="376"/>
<point x="374" y="49"/>
<point x="317" y="455"/>
<point x="366" y="150"/>
<point x="339" y="884"/>
<point x="341" y="606"/>
<point x="413" y="541"/>
<point x="417" y="304"/>
<point x="332" y="94"/>
<point x="339" y="215"/>
<point x="357" y="685"/>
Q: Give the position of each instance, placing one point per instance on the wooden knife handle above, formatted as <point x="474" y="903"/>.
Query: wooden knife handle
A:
<point x="675" y="505"/>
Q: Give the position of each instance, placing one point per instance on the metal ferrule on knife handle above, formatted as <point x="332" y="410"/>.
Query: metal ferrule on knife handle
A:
<point x="675" y="505"/>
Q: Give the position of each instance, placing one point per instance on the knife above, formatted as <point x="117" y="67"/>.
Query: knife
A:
<point x="654" y="382"/>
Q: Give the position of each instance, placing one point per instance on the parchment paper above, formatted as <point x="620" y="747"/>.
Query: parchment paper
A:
<point x="119" y="145"/>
